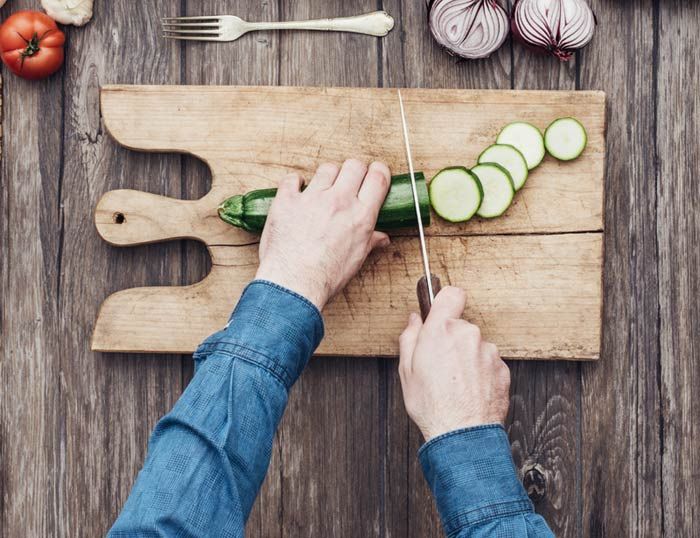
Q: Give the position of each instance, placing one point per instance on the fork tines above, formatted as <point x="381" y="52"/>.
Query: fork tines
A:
<point x="205" y="28"/>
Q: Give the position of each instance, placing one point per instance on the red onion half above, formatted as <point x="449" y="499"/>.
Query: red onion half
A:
<point x="557" y="27"/>
<point x="468" y="28"/>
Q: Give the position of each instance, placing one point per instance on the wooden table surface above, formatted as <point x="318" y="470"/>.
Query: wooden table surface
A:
<point x="607" y="449"/>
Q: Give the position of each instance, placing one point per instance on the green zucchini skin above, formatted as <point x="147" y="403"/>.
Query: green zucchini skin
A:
<point x="249" y="211"/>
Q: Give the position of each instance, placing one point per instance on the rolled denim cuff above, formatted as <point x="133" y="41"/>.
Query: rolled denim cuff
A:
<point x="472" y="477"/>
<point x="271" y="326"/>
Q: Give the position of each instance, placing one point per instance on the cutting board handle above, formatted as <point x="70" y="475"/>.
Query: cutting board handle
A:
<point x="129" y="217"/>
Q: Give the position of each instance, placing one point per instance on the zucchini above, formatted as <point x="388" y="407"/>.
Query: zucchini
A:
<point x="498" y="189"/>
<point x="565" y="139"/>
<point x="456" y="194"/>
<point x="510" y="159"/>
<point x="249" y="211"/>
<point x="527" y="139"/>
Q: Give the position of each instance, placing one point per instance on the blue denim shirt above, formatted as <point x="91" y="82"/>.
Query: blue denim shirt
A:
<point x="208" y="457"/>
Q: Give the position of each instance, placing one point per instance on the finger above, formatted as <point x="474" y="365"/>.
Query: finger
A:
<point x="407" y="342"/>
<point x="351" y="176"/>
<point x="378" y="240"/>
<point x="448" y="304"/>
<point x="289" y="184"/>
<point x="324" y="178"/>
<point x="375" y="186"/>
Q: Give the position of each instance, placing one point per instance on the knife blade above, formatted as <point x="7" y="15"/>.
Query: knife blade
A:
<point x="429" y="284"/>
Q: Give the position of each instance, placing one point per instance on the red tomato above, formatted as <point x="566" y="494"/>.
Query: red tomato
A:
<point x="31" y="44"/>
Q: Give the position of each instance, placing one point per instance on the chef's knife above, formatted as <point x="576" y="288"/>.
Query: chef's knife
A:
<point x="428" y="285"/>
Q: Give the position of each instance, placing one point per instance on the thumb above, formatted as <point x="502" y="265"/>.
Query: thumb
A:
<point x="408" y="341"/>
<point x="378" y="240"/>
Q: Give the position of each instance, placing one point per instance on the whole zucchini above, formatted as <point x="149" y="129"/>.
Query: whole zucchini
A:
<point x="249" y="211"/>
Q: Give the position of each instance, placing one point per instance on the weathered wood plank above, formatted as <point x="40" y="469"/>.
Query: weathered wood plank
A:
<point x="252" y="136"/>
<point x="331" y="433"/>
<point x="252" y="60"/>
<point x="678" y="236"/>
<point x="109" y="405"/>
<point x="31" y="467"/>
<point x="620" y="442"/>
<point x="544" y="419"/>
<point x="410" y="58"/>
<point x="536" y="296"/>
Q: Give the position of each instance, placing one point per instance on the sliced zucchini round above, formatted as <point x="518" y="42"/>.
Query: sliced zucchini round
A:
<point x="565" y="139"/>
<point x="510" y="159"/>
<point x="498" y="189"/>
<point x="455" y="194"/>
<point x="527" y="139"/>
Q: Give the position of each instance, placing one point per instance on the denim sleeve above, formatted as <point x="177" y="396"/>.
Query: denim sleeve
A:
<point x="475" y="485"/>
<point x="208" y="457"/>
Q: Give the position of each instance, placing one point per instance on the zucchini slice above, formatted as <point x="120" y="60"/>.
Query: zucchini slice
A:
<point x="527" y="139"/>
<point x="510" y="159"/>
<point x="498" y="189"/>
<point x="565" y="139"/>
<point x="455" y="194"/>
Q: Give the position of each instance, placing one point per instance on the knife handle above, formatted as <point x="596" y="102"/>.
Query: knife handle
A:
<point x="424" y="296"/>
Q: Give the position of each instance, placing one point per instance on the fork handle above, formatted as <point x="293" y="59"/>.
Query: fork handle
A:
<point x="377" y="23"/>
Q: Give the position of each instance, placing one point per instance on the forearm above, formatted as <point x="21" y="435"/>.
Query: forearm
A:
<point x="476" y="488"/>
<point x="208" y="457"/>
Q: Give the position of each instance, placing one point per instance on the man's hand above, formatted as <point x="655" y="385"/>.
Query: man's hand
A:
<point x="316" y="240"/>
<point x="450" y="377"/>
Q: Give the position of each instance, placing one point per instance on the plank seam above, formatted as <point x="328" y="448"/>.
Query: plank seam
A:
<point x="656" y="25"/>
<point x="60" y="431"/>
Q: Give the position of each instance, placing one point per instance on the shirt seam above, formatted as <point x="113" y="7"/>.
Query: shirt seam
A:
<point x="459" y="432"/>
<point x="461" y="520"/>
<point x="232" y="350"/>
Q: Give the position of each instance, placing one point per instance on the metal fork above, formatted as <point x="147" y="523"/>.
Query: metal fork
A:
<point x="230" y="28"/>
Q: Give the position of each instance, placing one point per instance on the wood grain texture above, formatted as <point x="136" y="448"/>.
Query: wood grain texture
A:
<point x="412" y="59"/>
<point x="108" y="405"/>
<point x="345" y="445"/>
<point x="253" y="60"/>
<point x="678" y="236"/>
<point x="258" y="130"/>
<point x="251" y="137"/>
<point x="620" y="422"/>
<point x="535" y="296"/>
<point x="543" y="422"/>
<point x="30" y="417"/>
<point x="332" y="434"/>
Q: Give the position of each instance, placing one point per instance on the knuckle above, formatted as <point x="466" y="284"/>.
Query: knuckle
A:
<point x="472" y="331"/>
<point x="337" y="202"/>
<point x="492" y="351"/>
<point x="381" y="167"/>
<point x="377" y="177"/>
<point x="355" y="164"/>
<point x="329" y="168"/>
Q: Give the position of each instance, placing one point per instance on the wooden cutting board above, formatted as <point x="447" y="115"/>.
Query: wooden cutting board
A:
<point x="533" y="276"/>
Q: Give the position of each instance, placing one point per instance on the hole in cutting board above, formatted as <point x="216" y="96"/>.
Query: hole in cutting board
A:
<point x="119" y="218"/>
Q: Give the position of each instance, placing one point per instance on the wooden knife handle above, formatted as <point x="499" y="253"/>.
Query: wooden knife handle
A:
<point x="424" y="296"/>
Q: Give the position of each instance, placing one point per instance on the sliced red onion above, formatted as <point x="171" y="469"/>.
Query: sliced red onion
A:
<point x="557" y="27"/>
<point x="468" y="28"/>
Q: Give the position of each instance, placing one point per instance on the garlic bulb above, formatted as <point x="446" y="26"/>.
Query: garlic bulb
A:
<point x="75" y="12"/>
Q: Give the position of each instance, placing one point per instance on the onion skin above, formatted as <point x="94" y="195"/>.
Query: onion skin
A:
<point x="484" y="26"/>
<point x="550" y="42"/>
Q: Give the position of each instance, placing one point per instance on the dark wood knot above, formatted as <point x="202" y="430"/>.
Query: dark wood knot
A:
<point x="535" y="483"/>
